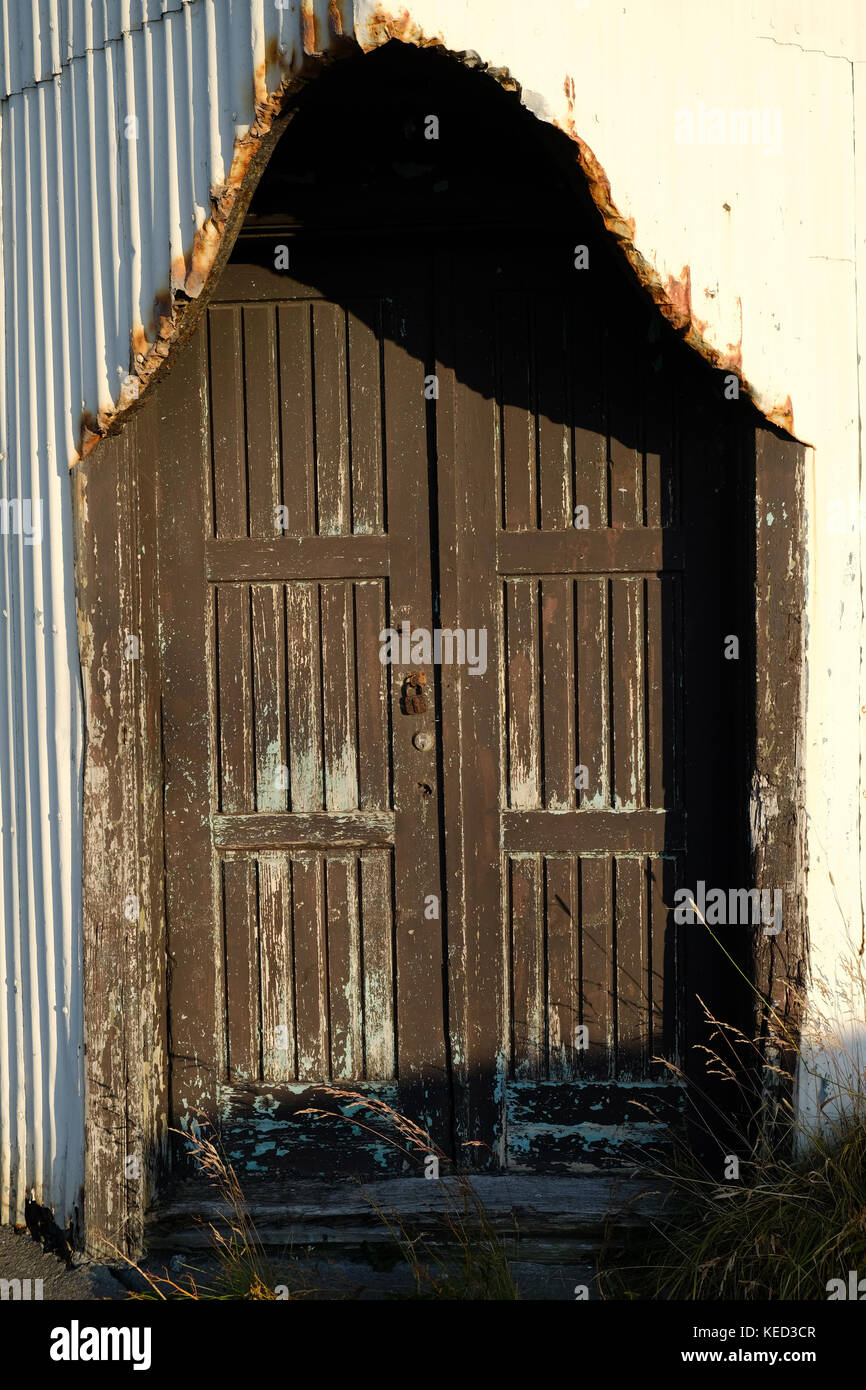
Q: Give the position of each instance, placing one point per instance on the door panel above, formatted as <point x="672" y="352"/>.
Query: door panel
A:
<point x="575" y="995"/>
<point x="322" y="838"/>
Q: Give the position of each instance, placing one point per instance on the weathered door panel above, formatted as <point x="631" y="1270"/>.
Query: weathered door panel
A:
<point x="322" y="838"/>
<point x="565" y="793"/>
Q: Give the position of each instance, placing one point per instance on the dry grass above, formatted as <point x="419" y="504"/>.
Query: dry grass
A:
<point x="795" y="1217"/>
<point x="463" y="1258"/>
<point x="243" y="1270"/>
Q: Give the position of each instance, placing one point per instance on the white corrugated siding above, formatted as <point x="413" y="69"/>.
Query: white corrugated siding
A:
<point x="94" y="226"/>
<point x="40" y="706"/>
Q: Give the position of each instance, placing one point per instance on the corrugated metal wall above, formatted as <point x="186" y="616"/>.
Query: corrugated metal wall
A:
<point x="117" y="123"/>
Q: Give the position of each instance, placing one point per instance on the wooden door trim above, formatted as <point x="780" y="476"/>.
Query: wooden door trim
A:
<point x="778" y="805"/>
<point x="125" y="1021"/>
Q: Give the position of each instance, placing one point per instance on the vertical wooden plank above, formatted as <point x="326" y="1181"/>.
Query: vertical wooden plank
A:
<point x="587" y="412"/>
<point x="126" y="1062"/>
<point x="374" y="737"/>
<point x="242" y="968"/>
<point x="304" y="696"/>
<point x="658" y="681"/>
<point x="473" y="705"/>
<point x="190" y="740"/>
<point x="528" y="999"/>
<point x="340" y="739"/>
<point x="269" y="697"/>
<point x="332" y="415"/>
<point x="311" y="967"/>
<point x="625" y="433"/>
<point x="593" y="692"/>
<point x="558" y="692"/>
<point x="596" y="963"/>
<point x="262" y="418"/>
<point x="227" y="423"/>
<point x="344" y="969"/>
<point x="657" y="440"/>
<point x="627" y="642"/>
<point x="148" y="1101"/>
<point x="524" y="721"/>
<point x="377" y="944"/>
<point x="235" y="697"/>
<point x="277" y="968"/>
<point x="519" y="468"/>
<point x="664" y="964"/>
<point x="298" y="465"/>
<point x="365" y="413"/>
<point x="563" y="967"/>
<point x="632" y="982"/>
<point x="417" y="867"/>
<point x="709" y="779"/>
<point x="665" y="690"/>
<point x="554" y="444"/>
<point x="779" y="848"/>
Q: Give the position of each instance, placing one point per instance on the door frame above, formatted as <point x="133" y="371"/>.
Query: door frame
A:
<point x="124" y="943"/>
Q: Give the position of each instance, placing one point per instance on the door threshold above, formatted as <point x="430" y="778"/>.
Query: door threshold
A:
<point x="538" y="1210"/>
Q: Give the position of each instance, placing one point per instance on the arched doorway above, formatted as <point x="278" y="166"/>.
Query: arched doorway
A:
<point x="427" y="406"/>
<point x="449" y="533"/>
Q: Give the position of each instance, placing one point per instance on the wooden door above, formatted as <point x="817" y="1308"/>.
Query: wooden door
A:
<point x="302" y="821"/>
<point x="588" y="495"/>
<point x="476" y="930"/>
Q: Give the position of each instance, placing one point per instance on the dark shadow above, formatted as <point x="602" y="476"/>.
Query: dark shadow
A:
<point x="653" y="447"/>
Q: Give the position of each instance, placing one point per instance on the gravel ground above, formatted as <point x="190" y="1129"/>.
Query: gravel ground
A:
<point x="21" y="1257"/>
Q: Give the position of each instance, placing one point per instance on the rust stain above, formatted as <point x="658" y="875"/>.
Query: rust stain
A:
<point x="679" y="293"/>
<point x="783" y="415"/>
<point x="308" y="27"/>
<point x="260" y="81"/>
<point x="161" y="311"/>
<point x="382" y="26"/>
<point x="335" y="19"/>
<point x="178" y="272"/>
<point x="139" y="342"/>
<point x="89" y="431"/>
<point x="275" y="57"/>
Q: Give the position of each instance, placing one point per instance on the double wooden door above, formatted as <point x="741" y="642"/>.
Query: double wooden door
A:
<point x="461" y="912"/>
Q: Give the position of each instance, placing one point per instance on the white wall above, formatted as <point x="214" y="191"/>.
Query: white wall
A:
<point x="755" y="247"/>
